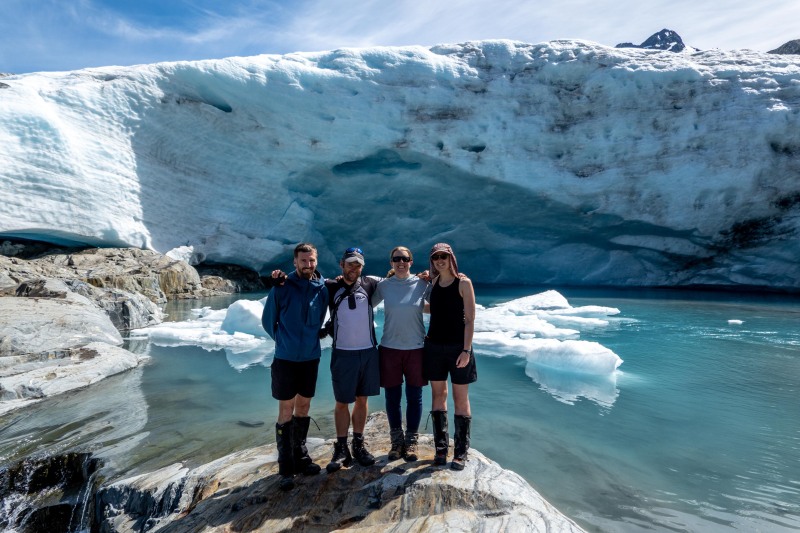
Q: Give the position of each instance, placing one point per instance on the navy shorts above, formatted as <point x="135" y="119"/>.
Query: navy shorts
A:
<point x="290" y="378"/>
<point x="440" y="361"/>
<point x="355" y="373"/>
<point x="397" y="364"/>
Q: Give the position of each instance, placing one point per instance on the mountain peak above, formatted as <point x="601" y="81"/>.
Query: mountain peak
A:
<point x="792" y="47"/>
<point x="664" y="40"/>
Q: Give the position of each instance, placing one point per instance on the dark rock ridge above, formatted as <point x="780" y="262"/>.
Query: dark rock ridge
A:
<point x="791" y="47"/>
<point x="240" y="492"/>
<point x="664" y="40"/>
<point x="53" y="493"/>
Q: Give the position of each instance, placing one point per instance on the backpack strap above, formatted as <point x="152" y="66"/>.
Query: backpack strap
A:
<point x="337" y="302"/>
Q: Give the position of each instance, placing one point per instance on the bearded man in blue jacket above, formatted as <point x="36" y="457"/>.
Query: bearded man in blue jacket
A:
<point x="293" y="316"/>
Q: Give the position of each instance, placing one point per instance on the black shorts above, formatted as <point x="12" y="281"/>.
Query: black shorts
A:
<point x="440" y="361"/>
<point x="355" y="373"/>
<point x="290" y="378"/>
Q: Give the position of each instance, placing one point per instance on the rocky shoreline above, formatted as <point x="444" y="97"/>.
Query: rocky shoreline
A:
<point x="62" y="316"/>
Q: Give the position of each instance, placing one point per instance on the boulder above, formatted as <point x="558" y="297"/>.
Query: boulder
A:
<point x="240" y="492"/>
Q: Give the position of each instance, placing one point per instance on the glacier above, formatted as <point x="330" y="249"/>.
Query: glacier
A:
<point x="565" y="162"/>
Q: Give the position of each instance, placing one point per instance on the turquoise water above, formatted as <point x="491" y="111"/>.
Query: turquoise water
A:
<point x="698" y="431"/>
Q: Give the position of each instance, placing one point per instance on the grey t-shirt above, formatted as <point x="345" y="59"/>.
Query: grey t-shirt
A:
<point x="403" y="301"/>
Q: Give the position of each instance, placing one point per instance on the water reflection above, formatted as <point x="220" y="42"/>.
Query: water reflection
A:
<point x="240" y="360"/>
<point x="570" y="387"/>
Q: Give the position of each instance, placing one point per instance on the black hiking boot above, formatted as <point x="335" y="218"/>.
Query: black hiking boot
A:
<point x="341" y="457"/>
<point x="462" y="425"/>
<point x="398" y="444"/>
<point x="410" y="447"/>
<point x="441" y="440"/>
<point x="302" y="462"/>
<point x="283" y="439"/>
<point x="360" y="452"/>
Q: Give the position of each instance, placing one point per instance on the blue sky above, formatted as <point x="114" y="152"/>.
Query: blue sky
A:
<point x="71" y="34"/>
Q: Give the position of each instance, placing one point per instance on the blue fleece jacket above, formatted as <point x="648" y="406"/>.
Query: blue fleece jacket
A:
<point x="293" y="316"/>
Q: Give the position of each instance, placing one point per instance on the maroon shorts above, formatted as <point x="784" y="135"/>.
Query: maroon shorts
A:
<point x="396" y="364"/>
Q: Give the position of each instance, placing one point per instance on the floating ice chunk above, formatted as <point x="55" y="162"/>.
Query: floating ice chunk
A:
<point x="244" y="316"/>
<point x="547" y="300"/>
<point x="735" y="321"/>
<point x="206" y="314"/>
<point x="583" y="357"/>
<point x="236" y="329"/>
<point x="547" y="314"/>
<point x="502" y="319"/>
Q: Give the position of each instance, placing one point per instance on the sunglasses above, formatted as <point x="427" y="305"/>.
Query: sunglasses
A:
<point x="439" y="257"/>
<point x="399" y="258"/>
<point x="354" y="250"/>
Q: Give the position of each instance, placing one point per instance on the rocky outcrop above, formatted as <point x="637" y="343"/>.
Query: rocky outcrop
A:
<point x="791" y="47"/>
<point x="133" y="270"/>
<point x="240" y="492"/>
<point x="664" y="40"/>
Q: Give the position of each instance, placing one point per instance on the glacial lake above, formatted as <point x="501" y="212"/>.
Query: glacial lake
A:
<point x="698" y="430"/>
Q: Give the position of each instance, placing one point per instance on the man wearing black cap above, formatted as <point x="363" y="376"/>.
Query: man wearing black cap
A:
<point x="355" y="366"/>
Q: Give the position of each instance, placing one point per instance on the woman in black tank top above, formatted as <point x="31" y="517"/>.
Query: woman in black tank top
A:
<point x="448" y="352"/>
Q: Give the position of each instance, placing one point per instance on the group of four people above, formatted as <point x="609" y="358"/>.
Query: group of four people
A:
<point x="293" y="316"/>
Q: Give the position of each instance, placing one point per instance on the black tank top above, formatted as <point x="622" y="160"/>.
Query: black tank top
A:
<point x="447" y="314"/>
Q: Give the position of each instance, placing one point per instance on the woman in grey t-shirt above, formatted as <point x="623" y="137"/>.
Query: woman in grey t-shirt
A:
<point x="401" y="350"/>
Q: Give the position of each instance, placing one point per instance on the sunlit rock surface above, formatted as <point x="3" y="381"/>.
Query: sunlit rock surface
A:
<point x="240" y="492"/>
<point x="565" y="162"/>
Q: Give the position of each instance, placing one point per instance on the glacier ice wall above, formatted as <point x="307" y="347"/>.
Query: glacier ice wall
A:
<point x="564" y="162"/>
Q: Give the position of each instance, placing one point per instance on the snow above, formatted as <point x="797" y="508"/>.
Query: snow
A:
<point x="563" y="365"/>
<point x="565" y="162"/>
